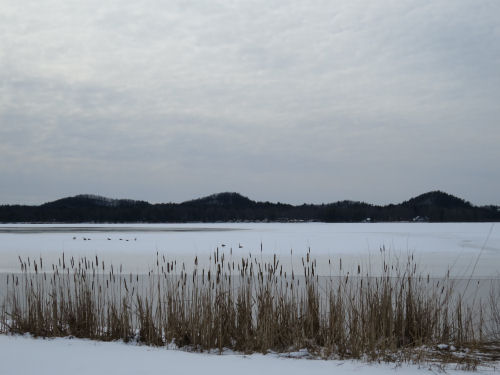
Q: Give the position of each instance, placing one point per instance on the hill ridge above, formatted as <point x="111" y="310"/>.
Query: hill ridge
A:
<point x="436" y="206"/>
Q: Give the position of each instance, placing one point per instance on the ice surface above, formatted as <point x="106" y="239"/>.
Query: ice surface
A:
<point x="437" y="246"/>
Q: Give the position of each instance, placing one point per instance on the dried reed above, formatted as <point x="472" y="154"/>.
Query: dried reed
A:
<point x="250" y="305"/>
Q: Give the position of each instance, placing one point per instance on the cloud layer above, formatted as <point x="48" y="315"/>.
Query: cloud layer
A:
<point x="293" y="101"/>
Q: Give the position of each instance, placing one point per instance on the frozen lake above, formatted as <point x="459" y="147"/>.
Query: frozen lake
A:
<point x="464" y="248"/>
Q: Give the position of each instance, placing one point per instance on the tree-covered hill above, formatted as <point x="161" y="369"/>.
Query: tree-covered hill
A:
<point x="435" y="206"/>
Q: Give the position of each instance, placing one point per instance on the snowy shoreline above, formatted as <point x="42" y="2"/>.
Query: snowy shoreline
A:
<point x="27" y="355"/>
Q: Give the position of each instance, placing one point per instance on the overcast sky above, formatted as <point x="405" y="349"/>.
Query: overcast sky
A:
<point x="291" y="101"/>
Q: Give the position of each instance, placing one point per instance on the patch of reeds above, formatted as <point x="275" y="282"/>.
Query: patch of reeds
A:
<point x="250" y="305"/>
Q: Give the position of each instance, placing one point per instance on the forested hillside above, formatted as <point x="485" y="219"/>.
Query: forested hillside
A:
<point x="434" y="206"/>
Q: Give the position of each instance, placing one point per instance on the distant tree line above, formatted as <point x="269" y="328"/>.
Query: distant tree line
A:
<point x="226" y="207"/>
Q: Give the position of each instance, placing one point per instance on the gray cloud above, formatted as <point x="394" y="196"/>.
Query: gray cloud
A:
<point x="293" y="101"/>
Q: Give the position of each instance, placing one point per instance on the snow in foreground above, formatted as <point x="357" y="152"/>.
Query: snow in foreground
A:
<point x="26" y="355"/>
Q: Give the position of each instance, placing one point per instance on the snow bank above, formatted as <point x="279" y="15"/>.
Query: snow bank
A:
<point x="25" y="355"/>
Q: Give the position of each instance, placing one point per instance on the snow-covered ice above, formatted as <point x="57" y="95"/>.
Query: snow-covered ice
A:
<point x="25" y="355"/>
<point x="437" y="246"/>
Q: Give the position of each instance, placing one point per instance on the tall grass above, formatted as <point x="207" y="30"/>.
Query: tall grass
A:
<point x="249" y="305"/>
